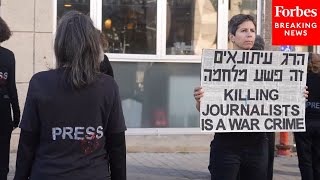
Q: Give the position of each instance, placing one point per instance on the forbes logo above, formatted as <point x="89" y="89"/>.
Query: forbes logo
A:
<point x="296" y="12"/>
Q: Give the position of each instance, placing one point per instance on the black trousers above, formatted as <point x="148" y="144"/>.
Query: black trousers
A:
<point x="250" y="161"/>
<point x="4" y="155"/>
<point x="5" y="136"/>
<point x="271" y="145"/>
<point x="308" y="149"/>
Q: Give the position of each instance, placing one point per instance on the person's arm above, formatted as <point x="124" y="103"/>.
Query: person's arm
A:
<point x="13" y="93"/>
<point x="26" y="152"/>
<point x="198" y="105"/>
<point x="29" y="136"/>
<point x="198" y="94"/>
<point x="115" y="138"/>
<point x="306" y="93"/>
<point x="116" y="148"/>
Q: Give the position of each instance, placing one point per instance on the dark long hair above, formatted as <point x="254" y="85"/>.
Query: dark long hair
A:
<point x="77" y="47"/>
<point x="5" y="32"/>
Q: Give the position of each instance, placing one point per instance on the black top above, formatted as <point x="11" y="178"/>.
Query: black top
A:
<point x="72" y="126"/>
<point x="238" y="140"/>
<point x="105" y="66"/>
<point x="313" y="103"/>
<point x="8" y="90"/>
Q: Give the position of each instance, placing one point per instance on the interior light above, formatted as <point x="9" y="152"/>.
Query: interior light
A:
<point x="67" y="5"/>
<point x="108" y="23"/>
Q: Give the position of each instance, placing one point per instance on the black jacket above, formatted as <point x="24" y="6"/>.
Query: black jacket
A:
<point x="8" y="90"/>
<point x="93" y="114"/>
<point x="313" y="103"/>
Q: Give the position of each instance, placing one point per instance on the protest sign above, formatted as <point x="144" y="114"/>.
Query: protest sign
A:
<point x="295" y="22"/>
<point x="252" y="91"/>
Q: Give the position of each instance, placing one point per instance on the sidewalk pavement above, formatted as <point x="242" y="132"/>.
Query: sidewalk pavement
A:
<point x="184" y="166"/>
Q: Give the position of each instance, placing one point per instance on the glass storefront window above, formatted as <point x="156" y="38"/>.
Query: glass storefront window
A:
<point x="130" y="26"/>
<point x="158" y="95"/>
<point x="68" y="5"/>
<point x="303" y="48"/>
<point x="242" y="7"/>
<point x="191" y="26"/>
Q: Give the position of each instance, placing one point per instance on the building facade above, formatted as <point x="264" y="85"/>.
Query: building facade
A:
<point x="155" y="49"/>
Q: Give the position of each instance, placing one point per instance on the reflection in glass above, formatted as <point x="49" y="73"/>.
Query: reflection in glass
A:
<point x="67" y="5"/>
<point x="130" y="26"/>
<point x="191" y="26"/>
<point x="158" y="95"/>
<point x="242" y="7"/>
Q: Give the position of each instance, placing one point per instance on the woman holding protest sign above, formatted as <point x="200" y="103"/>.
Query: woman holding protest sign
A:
<point x="238" y="153"/>
<point x="308" y="143"/>
<point x="234" y="153"/>
<point x="105" y="65"/>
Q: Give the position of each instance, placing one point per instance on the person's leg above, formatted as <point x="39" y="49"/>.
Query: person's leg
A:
<point x="254" y="161"/>
<point x="303" y="142"/>
<point x="4" y="155"/>
<point x="210" y="167"/>
<point x="225" y="162"/>
<point x="316" y="152"/>
<point x="271" y="144"/>
<point x="238" y="177"/>
<point x="5" y="135"/>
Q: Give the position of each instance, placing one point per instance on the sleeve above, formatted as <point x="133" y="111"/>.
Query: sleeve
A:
<point x="116" y="148"/>
<point x="28" y="143"/>
<point x="105" y="66"/>
<point x="30" y="117"/>
<point x="116" y="122"/>
<point x="13" y="93"/>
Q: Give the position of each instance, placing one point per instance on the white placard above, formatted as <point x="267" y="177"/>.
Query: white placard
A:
<point x="253" y="91"/>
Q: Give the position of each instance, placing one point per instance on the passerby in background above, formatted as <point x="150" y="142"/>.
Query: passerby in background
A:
<point x="308" y="143"/>
<point x="8" y="100"/>
<point x="259" y="45"/>
<point x="72" y="127"/>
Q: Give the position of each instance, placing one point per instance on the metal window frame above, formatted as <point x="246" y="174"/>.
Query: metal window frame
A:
<point x="259" y="16"/>
<point x="160" y="56"/>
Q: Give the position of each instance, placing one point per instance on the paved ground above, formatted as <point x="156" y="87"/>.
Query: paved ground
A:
<point x="184" y="166"/>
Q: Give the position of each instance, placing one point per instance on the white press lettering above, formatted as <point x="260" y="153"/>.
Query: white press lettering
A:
<point x="99" y="132"/>
<point x="56" y="131"/>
